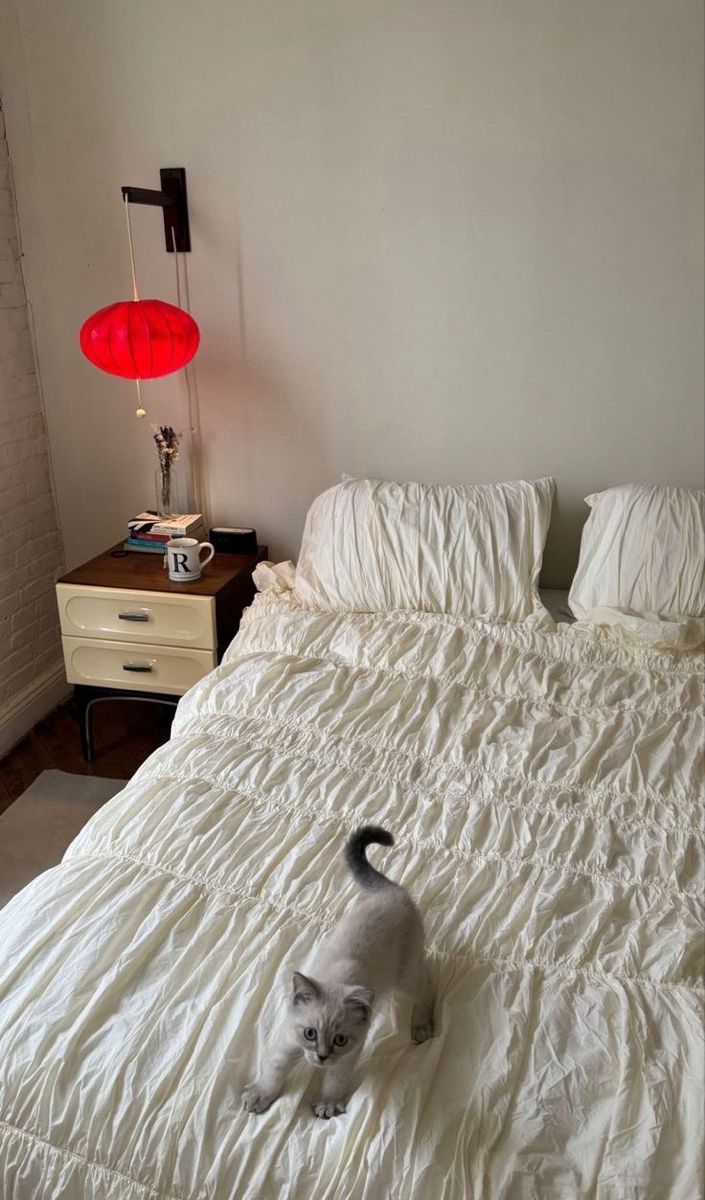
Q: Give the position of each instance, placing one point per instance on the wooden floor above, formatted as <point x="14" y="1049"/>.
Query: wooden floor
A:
<point x="126" y="733"/>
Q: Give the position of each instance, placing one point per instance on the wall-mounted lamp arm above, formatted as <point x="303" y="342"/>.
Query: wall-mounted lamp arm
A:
<point x="173" y="202"/>
<point x="147" y="196"/>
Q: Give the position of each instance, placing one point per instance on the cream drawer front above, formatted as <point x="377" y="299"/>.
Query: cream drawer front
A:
<point x="140" y="668"/>
<point x="164" y="620"/>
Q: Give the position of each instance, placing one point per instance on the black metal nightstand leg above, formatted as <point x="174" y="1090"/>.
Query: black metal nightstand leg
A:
<point x="84" y="715"/>
<point x="86" y="697"/>
<point x="87" y="731"/>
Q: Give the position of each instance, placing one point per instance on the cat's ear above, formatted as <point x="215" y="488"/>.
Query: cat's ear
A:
<point x="360" y="999"/>
<point x="305" y="989"/>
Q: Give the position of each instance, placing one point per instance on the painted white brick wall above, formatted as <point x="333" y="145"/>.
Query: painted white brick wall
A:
<point x="31" y="555"/>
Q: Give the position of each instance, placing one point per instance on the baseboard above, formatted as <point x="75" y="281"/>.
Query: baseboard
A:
<point x="23" y="711"/>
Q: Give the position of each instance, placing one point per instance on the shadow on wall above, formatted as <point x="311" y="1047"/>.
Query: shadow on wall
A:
<point x="263" y="437"/>
<point x="560" y="557"/>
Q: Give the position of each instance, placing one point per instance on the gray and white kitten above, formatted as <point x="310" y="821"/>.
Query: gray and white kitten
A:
<point x="377" y="948"/>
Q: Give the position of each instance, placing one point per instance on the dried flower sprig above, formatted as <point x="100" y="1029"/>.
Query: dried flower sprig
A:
<point x="168" y="443"/>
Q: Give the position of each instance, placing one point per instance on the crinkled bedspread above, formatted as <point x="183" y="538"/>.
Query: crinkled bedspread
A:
<point x="543" y="789"/>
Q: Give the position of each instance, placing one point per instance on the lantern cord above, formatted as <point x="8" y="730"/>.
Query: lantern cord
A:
<point x="140" y="410"/>
<point x="135" y="293"/>
<point x="192" y="393"/>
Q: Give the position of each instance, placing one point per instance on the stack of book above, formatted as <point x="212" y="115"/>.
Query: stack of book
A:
<point x="148" y="533"/>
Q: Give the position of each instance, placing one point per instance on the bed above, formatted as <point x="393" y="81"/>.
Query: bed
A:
<point x="543" y="786"/>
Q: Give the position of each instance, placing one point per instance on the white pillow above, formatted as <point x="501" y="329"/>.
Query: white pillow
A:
<point x="643" y="550"/>
<point x="373" y="546"/>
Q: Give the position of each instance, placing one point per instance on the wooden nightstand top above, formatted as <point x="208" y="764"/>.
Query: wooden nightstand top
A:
<point x="146" y="572"/>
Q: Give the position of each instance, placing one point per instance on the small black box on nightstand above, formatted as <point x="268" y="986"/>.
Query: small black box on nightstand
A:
<point x="228" y="540"/>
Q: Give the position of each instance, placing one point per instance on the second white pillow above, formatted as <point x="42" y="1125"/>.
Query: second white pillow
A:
<point x="643" y="551"/>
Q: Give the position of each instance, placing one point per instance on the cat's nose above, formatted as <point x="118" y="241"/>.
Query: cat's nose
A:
<point x="322" y="1057"/>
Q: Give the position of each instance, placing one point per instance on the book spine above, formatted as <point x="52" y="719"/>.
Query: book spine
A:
<point x="174" y="533"/>
<point x="144" y="547"/>
<point x="176" y="530"/>
<point x="150" y="537"/>
<point x="197" y="532"/>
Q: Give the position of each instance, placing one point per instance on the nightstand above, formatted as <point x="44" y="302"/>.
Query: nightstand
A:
<point x="130" y="632"/>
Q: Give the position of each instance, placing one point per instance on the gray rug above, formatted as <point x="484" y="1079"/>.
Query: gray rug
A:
<point x="37" y="828"/>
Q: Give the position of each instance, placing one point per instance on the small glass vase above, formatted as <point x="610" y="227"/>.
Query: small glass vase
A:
<point x="167" y="490"/>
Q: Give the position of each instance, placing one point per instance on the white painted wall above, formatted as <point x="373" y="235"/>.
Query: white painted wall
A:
<point x="458" y="240"/>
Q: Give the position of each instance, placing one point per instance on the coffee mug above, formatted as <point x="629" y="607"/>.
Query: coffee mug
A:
<point x="183" y="558"/>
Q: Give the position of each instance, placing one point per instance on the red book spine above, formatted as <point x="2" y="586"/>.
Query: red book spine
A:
<point x="150" y="537"/>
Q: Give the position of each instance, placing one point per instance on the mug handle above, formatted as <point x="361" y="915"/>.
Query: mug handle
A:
<point x="206" y="546"/>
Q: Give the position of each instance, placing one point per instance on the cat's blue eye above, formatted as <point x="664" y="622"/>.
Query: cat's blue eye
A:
<point x="310" y="1034"/>
<point x="339" y="1039"/>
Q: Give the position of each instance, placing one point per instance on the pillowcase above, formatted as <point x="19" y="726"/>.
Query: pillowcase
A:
<point x="474" y="552"/>
<point x="643" y="550"/>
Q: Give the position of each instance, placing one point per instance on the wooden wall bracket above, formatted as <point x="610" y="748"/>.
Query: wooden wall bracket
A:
<point x="173" y="201"/>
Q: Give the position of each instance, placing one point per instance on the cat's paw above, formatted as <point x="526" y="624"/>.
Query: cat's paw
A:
<point x="329" y="1108"/>
<point x="256" y="1100"/>
<point x="422" y="1032"/>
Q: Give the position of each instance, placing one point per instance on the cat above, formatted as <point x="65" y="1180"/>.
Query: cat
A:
<point x="376" y="949"/>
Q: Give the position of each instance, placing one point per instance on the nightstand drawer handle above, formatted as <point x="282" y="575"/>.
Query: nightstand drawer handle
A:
<point x="133" y="616"/>
<point x="144" y="668"/>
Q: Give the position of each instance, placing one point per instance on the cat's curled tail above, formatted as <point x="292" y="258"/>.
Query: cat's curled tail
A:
<point x="362" y="872"/>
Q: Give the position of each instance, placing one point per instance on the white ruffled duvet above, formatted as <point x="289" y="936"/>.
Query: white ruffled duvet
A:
<point x="543" y="789"/>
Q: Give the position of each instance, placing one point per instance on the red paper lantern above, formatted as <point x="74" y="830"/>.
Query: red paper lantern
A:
<point x="140" y="339"/>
